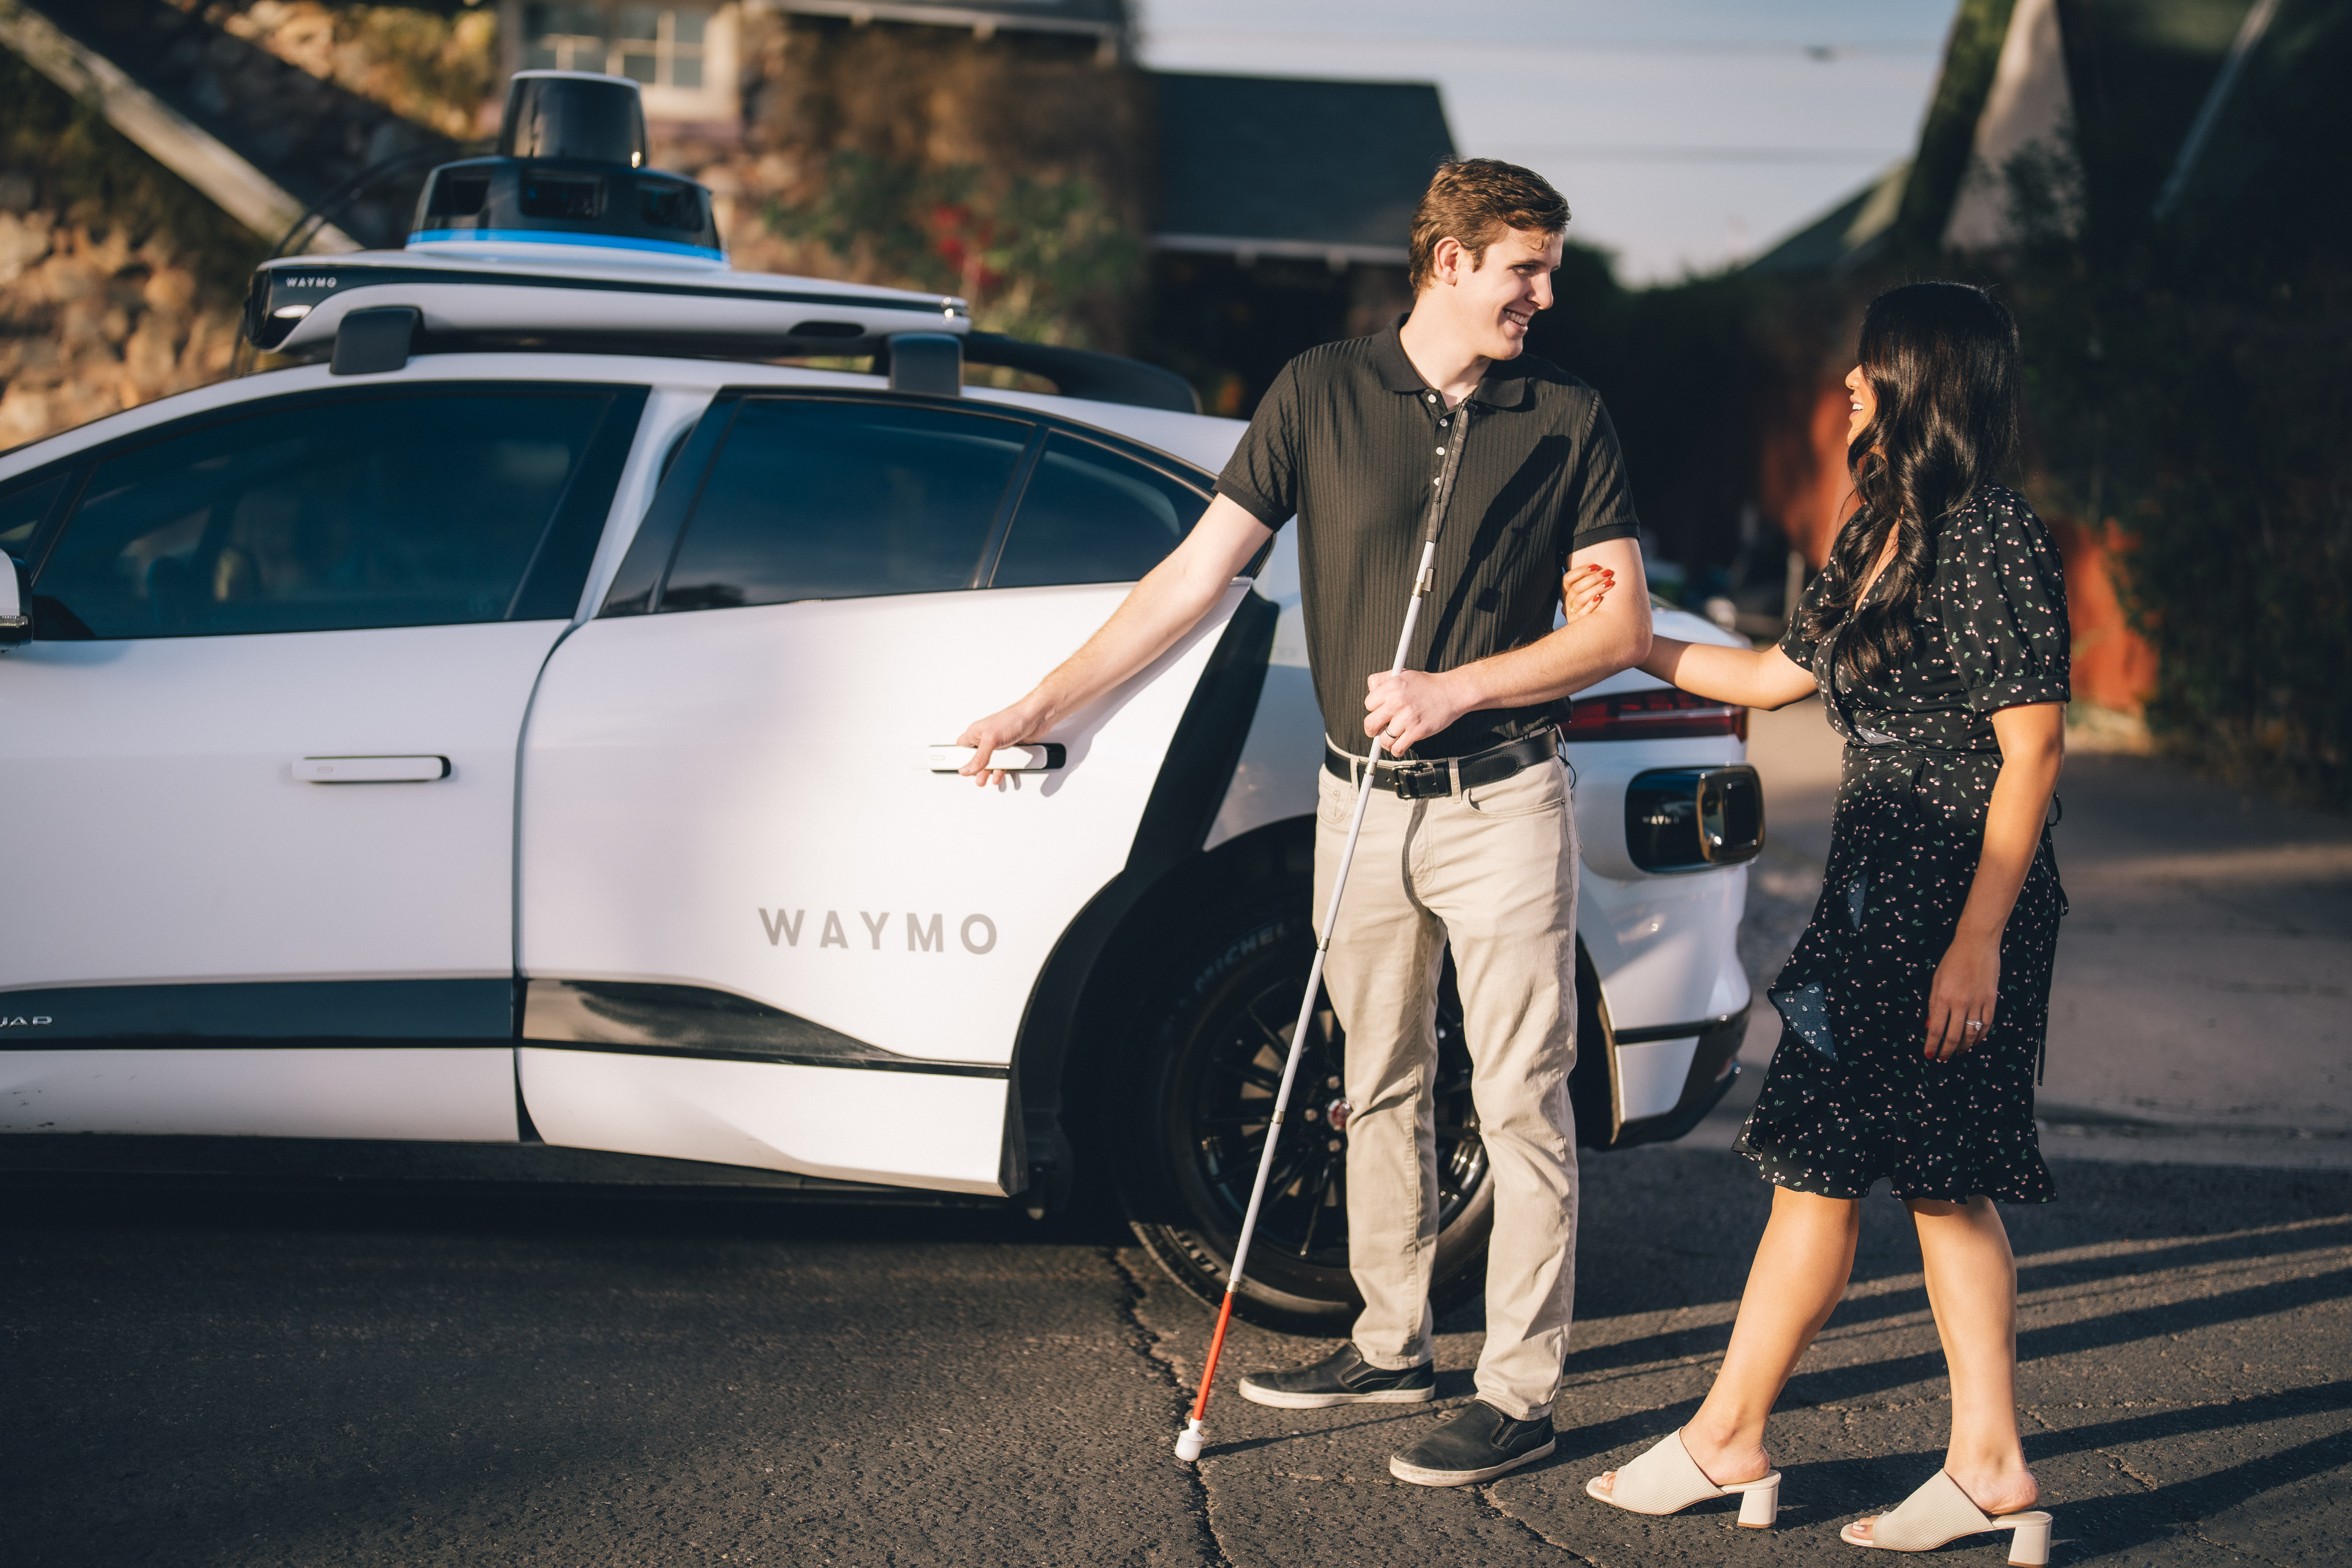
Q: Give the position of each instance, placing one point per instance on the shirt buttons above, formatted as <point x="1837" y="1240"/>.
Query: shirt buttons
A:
<point x="1432" y="397"/>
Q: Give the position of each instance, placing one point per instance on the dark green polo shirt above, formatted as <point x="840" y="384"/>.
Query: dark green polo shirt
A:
<point x="1348" y="441"/>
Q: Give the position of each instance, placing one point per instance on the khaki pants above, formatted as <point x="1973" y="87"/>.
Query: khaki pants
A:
<point x="1492" y="871"/>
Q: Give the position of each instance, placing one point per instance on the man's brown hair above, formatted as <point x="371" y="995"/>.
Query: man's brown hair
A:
<point x="1474" y="201"/>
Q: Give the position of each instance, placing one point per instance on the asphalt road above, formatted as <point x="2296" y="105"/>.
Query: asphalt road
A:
<point x="210" y="1377"/>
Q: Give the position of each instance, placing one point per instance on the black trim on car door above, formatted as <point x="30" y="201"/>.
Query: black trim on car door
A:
<point x="552" y="583"/>
<point x="637" y="585"/>
<point x="640" y="1019"/>
<point x="270" y="1013"/>
<point x="1207" y="746"/>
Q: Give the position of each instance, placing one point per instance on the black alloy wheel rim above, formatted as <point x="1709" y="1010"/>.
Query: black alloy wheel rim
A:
<point x="1304" y="1216"/>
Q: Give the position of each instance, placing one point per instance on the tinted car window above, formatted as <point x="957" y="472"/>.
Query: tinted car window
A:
<point x="813" y="500"/>
<point x="21" y="511"/>
<point x="1092" y="516"/>
<point x="377" y="512"/>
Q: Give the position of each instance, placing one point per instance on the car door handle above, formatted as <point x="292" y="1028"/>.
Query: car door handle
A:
<point x="1038" y="759"/>
<point x="370" y="770"/>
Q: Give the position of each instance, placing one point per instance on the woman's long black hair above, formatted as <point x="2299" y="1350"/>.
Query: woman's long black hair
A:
<point x="1942" y="359"/>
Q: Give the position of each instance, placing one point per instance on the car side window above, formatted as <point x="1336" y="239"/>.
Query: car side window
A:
<point x="414" y="509"/>
<point x="22" y="510"/>
<point x="1090" y="515"/>
<point x="812" y="498"/>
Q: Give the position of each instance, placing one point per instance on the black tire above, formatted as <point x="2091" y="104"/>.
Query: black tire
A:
<point x="1219" y="1027"/>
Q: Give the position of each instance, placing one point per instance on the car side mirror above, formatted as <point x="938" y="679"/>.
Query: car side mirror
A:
<point x="15" y="605"/>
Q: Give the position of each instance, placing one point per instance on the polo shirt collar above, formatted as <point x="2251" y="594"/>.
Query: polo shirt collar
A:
<point x="1505" y="384"/>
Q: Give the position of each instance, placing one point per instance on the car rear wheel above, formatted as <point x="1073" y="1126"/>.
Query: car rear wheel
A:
<point x="1203" y="1094"/>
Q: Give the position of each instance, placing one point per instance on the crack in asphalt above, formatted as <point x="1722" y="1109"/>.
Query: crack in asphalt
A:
<point x="1495" y="1507"/>
<point x="1145" y="1343"/>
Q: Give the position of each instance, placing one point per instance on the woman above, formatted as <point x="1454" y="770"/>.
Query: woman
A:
<point x="1914" y="1004"/>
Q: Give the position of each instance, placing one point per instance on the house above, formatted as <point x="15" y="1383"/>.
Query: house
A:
<point x="2044" y="114"/>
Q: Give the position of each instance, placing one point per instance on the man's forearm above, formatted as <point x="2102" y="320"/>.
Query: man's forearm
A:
<point x="1568" y="660"/>
<point x="1167" y="602"/>
<point x="1408" y="708"/>
<point x="1151" y="619"/>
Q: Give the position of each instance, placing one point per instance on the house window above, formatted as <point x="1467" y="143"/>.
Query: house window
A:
<point x="659" y="46"/>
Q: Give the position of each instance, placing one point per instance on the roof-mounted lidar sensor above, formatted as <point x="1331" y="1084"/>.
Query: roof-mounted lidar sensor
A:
<point x="570" y="175"/>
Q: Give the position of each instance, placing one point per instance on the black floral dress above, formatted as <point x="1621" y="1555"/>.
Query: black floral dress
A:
<point x="1851" y="1096"/>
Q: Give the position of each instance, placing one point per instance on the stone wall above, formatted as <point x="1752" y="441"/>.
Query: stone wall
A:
<point x="434" y="65"/>
<point x="118" y="284"/>
<point x="91" y="325"/>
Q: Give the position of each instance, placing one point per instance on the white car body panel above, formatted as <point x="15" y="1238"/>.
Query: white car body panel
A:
<point x="909" y="1130"/>
<point x="435" y="1094"/>
<point x="214" y="862"/>
<point x="1650" y="1075"/>
<point x="740" y="799"/>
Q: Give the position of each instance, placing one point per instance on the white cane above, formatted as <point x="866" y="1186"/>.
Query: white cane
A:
<point x="1189" y="1441"/>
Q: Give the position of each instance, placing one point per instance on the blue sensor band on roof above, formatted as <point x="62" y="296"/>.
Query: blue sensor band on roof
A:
<point x="551" y="236"/>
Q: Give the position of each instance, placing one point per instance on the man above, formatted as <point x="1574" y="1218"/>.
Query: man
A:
<point x="1472" y="840"/>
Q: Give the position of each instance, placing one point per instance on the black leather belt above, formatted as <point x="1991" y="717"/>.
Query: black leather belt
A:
<point x="1428" y="778"/>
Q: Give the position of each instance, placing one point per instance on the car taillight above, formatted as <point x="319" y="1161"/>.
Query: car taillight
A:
<point x="1660" y="712"/>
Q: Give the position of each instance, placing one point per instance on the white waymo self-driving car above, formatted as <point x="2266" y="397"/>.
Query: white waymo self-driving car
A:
<point x="518" y="729"/>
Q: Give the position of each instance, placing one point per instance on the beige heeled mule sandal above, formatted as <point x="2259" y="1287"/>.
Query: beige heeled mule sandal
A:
<point x="1940" y="1512"/>
<point x="1667" y="1480"/>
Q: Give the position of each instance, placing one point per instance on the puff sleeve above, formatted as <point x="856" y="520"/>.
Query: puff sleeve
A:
<point x="2007" y="620"/>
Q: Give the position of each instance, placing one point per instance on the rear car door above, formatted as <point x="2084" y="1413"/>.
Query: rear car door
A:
<point x="259" y="760"/>
<point x="757" y="927"/>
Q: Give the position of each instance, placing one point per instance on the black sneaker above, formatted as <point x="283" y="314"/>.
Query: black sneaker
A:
<point x="1342" y="1377"/>
<point x="1478" y="1445"/>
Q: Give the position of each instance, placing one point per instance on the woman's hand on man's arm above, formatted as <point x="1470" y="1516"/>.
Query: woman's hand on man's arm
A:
<point x="1605" y="633"/>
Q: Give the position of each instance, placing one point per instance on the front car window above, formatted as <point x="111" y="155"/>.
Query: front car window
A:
<point x="400" y="510"/>
<point x="21" y="511"/>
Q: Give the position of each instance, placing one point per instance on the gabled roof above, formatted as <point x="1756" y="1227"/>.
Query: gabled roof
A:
<point x="2169" y="100"/>
<point x="1282" y="166"/>
<point x="1848" y="235"/>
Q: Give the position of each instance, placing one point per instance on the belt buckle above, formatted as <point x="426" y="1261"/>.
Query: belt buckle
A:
<point x="1422" y="781"/>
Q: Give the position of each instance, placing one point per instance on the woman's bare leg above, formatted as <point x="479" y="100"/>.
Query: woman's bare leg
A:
<point x="1972" y="1289"/>
<point x="1796" y="1279"/>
